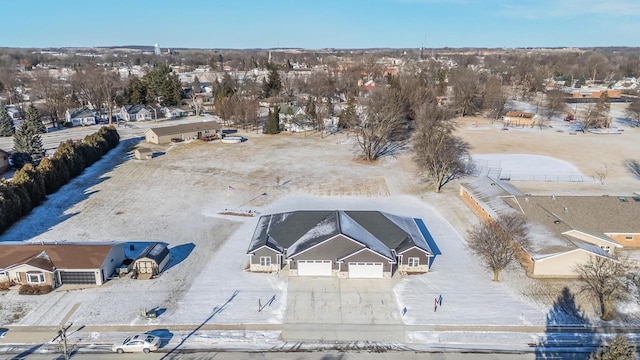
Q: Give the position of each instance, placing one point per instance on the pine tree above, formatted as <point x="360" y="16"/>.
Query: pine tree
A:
<point x="27" y="142"/>
<point x="273" y="123"/>
<point x="6" y="124"/>
<point x="273" y="85"/>
<point x="618" y="349"/>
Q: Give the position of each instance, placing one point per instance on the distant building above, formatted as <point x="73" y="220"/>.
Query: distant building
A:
<point x="156" y="49"/>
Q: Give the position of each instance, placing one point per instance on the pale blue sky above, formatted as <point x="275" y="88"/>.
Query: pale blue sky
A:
<point x="320" y="24"/>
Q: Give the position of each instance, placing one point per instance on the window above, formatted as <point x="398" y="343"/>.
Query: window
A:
<point x="413" y="261"/>
<point x="628" y="237"/>
<point x="37" y="278"/>
<point x="265" y="260"/>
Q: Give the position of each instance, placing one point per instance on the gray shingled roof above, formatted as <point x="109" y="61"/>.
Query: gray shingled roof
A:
<point x="297" y="231"/>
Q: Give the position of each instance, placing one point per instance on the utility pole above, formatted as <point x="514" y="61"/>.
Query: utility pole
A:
<point x="62" y="334"/>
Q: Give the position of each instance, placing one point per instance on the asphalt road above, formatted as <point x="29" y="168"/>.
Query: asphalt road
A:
<point x="330" y="355"/>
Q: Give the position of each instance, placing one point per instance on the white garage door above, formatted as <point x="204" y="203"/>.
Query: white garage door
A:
<point x="365" y="270"/>
<point x="314" y="267"/>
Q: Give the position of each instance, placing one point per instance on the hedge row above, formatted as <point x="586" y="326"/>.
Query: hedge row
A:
<point x="31" y="184"/>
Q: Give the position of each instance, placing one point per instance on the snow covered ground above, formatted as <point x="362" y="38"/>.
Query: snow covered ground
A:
<point x="177" y="198"/>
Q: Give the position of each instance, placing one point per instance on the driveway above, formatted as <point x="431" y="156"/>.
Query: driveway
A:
<point x="342" y="309"/>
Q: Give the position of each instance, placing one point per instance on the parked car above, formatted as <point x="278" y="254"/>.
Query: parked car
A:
<point x="137" y="343"/>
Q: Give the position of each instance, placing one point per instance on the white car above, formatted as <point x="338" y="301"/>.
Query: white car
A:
<point x="137" y="343"/>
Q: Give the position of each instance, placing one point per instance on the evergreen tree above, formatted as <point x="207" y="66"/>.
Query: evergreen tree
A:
<point x="196" y="86"/>
<point x="6" y="124"/>
<point x="34" y="119"/>
<point x="348" y="117"/>
<point x="27" y="142"/>
<point x="30" y="179"/>
<point x="273" y="85"/>
<point x="273" y="123"/>
<point x="618" y="349"/>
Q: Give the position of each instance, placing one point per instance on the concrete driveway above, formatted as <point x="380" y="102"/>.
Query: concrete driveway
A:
<point x="342" y="310"/>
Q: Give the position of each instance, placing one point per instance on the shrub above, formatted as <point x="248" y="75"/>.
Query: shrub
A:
<point x="34" y="289"/>
<point x="4" y="285"/>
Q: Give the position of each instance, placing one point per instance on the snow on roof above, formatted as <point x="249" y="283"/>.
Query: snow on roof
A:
<point x="357" y="232"/>
<point x="317" y="234"/>
<point x="544" y="243"/>
<point x="409" y="225"/>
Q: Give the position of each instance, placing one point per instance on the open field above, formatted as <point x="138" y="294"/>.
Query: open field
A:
<point x="177" y="198"/>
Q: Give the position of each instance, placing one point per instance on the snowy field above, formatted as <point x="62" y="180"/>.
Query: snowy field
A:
<point x="178" y="196"/>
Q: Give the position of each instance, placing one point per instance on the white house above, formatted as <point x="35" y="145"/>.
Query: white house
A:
<point x="80" y="116"/>
<point x="135" y="113"/>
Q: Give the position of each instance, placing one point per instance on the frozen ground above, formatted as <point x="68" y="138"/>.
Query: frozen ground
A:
<point x="177" y="198"/>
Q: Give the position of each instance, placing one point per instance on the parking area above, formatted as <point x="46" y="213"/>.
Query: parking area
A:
<point x="341" y="301"/>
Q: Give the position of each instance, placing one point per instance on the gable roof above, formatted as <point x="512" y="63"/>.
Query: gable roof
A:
<point x="134" y="109"/>
<point x="186" y="128"/>
<point x="81" y="113"/>
<point x="60" y="256"/>
<point x="156" y="252"/>
<point x="297" y="231"/>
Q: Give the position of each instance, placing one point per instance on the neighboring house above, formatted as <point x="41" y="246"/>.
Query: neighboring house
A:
<point x="135" y="113"/>
<point x="59" y="264"/>
<point x="4" y="162"/>
<point x="164" y="135"/>
<point x="152" y="260"/>
<point x="299" y="125"/>
<point x="564" y="231"/>
<point x="289" y="113"/>
<point x="80" y="116"/>
<point x="14" y="113"/>
<point x="354" y="244"/>
<point x="175" y="113"/>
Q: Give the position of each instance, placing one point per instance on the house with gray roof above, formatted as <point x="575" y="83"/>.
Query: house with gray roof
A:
<point x="80" y="116"/>
<point x="563" y="231"/>
<point x="349" y="244"/>
<point x="135" y="113"/>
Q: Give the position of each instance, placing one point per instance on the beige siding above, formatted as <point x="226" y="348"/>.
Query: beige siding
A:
<point x="560" y="265"/>
<point x="630" y="240"/>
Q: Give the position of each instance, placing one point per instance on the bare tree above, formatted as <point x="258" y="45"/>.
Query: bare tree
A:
<point x="498" y="242"/>
<point x="605" y="281"/>
<point x="382" y="127"/>
<point x="10" y="82"/>
<point x="494" y="97"/>
<point x="55" y="93"/>
<point x="466" y="92"/>
<point x="595" y="115"/>
<point x="633" y="110"/>
<point x="439" y="154"/>
<point x="554" y="103"/>
<point x="596" y="64"/>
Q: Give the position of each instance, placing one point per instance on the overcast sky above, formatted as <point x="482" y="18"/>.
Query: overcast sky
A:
<point x="320" y="23"/>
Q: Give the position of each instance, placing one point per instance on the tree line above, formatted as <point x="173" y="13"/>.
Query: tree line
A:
<point x="43" y="176"/>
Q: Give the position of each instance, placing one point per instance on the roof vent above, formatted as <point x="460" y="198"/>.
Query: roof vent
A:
<point x="526" y="199"/>
<point x="553" y="197"/>
<point x="556" y="221"/>
<point x="622" y="199"/>
<point x="565" y="209"/>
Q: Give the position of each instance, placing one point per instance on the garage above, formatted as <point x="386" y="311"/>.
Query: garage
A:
<point x="314" y="267"/>
<point x="78" y="277"/>
<point x="365" y="270"/>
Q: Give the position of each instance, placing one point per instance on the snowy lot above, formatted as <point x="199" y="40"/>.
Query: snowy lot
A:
<point x="177" y="198"/>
